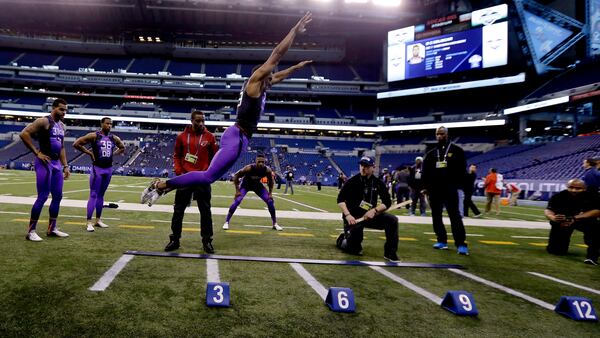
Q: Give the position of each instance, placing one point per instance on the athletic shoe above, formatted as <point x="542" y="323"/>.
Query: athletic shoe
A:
<point x="208" y="247"/>
<point x="392" y="257"/>
<point x="277" y="227"/>
<point x="154" y="196"/>
<point x="173" y="244"/>
<point x="590" y="261"/>
<point x="101" y="224"/>
<point x="226" y="226"/>
<point x="90" y="227"/>
<point x="411" y="214"/>
<point x="477" y="216"/>
<point x="440" y="246"/>
<point x="33" y="236"/>
<point x="463" y="250"/>
<point x="57" y="233"/>
<point x="147" y="193"/>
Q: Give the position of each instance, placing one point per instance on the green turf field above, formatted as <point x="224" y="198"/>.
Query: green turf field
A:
<point x="44" y="286"/>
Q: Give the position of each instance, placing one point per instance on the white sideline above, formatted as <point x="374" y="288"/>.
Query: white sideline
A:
<point x="212" y="271"/>
<point x="515" y="293"/>
<point x="409" y="285"/>
<point x="111" y="273"/>
<point x="565" y="282"/>
<point x="302" y="204"/>
<point x="310" y="280"/>
<point x="309" y="215"/>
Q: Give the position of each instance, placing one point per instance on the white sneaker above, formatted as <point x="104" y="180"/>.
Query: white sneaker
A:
<point x="101" y="224"/>
<point x="154" y="196"/>
<point x="33" y="236"/>
<point x="226" y="226"/>
<point x="147" y="193"/>
<point x="277" y="227"/>
<point x="57" y="233"/>
<point x="90" y="227"/>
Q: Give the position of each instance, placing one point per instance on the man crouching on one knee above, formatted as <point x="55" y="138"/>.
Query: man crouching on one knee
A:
<point x="574" y="209"/>
<point x="358" y="198"/>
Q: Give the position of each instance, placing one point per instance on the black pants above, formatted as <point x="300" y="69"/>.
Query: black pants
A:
<point x="384" y="221"/>
<point x="447" y="197"/>
<point x="402" y="194"/>
<point x="183" y="196"/>
<point x="560" y="237"/>
<point x="468" y="203"/>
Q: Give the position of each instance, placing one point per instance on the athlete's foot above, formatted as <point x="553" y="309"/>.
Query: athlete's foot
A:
<point x="277" y="227"/>
<point x="148" y="192"/>
<point x="101" y="224"/>
<point x="90" y="227"/>
<point x="57" y="233"/>
<point x="226" y="226"/>
<point x="33" y="236"/>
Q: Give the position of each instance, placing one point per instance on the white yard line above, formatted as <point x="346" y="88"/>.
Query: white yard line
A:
<point x="302" y="204"/>
<point x="109" y="276"/>
<point x="212" y="271"/>
<point x="74" y="191"/>
<point x="409" y="285"/>
<point x="310" y="280"/>
<point x="270" y="226"/>
<point x="14" y="212"/>
<point x="565" y="282"/>
<point x="531" y="237"/>
<point x="32" y="182"/>
<point x="515" y="293"/>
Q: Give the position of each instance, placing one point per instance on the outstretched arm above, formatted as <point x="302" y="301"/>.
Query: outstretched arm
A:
<point x="282" y="75"/>
<point x="253" y="88"/>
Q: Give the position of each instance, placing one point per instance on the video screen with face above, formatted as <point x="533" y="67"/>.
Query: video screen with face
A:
<point x="449" y="44"/>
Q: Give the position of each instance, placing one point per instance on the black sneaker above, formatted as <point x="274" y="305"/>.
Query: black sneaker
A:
<point x="392" y="257"/>
<point x="590" y="261"/>
<point x="173" y="244"/>
<point x="208" y="247"/>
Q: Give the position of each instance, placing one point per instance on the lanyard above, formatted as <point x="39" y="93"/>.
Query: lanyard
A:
<point x="197" y="147"/>
<point x="366" y="189"/>
<point x="445" y="155"/>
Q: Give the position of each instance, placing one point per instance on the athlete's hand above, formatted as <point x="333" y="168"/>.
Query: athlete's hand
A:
<point x="66" y="173"/>
<point x="43" y="157"/>
<point x="270" y="197"/>
<point x="301" y="25"/>
<point x="237" y="194"/>
<point x="303" y="63"/>
<point x="92" y="156"/>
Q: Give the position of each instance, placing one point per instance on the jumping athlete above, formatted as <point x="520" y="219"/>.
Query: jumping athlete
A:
<point x="102" y="151"/>
<point x="50" y="165"/>
<point x="235" y="138"/>
<point x="250" y="177"/>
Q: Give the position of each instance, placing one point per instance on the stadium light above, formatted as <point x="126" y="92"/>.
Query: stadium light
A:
<point x="387" y="3"/>
<point x="536" y="105"/>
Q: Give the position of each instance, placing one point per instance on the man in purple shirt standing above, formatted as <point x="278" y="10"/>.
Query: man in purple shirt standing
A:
<point x="50" y="165"/>
<point x="103" y="144"/>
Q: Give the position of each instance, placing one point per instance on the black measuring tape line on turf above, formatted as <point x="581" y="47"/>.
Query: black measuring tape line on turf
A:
<point x="293" y="260"/>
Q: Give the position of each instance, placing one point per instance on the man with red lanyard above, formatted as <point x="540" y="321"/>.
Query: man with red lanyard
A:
<point x="194" y="149"/>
